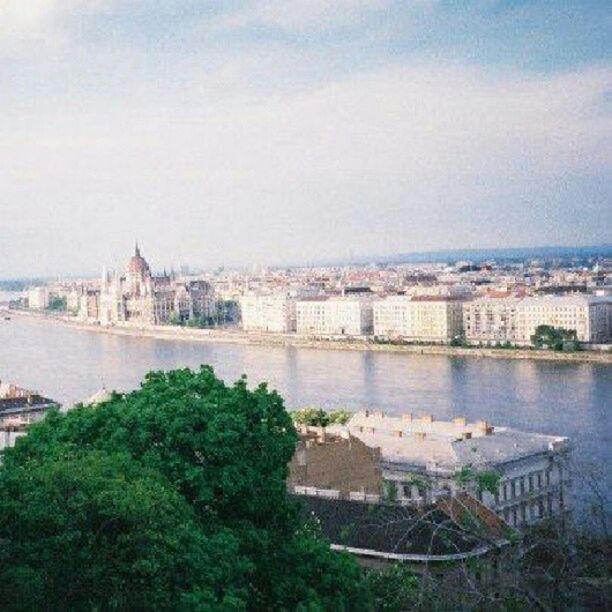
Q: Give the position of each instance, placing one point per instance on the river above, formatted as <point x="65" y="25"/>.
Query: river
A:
<point x="571" y="399"/>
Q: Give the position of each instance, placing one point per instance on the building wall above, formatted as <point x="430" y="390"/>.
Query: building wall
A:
<point x="515" y="320"/>
<point x="38" y="298"/>
<point x="335" y="317"/>
<point x="491" y="320"/>
<point x="268" y="313"/>
<point x="424" y="320"/>
<point x="336" y="464"/>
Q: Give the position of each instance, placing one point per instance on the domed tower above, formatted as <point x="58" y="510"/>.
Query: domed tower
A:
<point x="138" y="274"/>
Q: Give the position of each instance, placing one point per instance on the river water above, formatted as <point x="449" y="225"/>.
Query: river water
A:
<point x="571" y="399"/>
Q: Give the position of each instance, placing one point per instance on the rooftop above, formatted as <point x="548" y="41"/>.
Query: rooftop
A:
<point x="447" y="445"/>
<point x="408" y="533"/>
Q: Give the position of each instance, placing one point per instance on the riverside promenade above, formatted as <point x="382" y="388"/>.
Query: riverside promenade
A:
<point x="236" y="336"/>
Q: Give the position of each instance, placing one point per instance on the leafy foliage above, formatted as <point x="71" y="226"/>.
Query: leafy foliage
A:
<point x="485" y="480"/>
<point x="57" y="303"/>
<point x="393" y="589"/>
<point x="317" y="417"/>
<point x="186" y="459"/>
<point x="555" y="338"/>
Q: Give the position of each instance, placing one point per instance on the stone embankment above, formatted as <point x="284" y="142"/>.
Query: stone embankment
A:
<point x="163" y="332"/>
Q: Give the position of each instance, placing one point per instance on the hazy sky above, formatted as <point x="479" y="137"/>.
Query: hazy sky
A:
<point x="295" y="130"/>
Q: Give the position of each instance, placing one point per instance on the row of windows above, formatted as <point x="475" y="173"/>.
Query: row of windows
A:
<point x="517" y="487"/>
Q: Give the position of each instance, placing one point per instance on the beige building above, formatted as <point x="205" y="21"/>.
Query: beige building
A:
<point x="334" y="316"/>
<point x="419" y="319"/>
<point x="268" y="313"/>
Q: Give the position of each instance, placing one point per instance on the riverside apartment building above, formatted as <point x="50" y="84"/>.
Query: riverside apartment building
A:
<point x="434" y="319"/>
<point x="335" y="316"/>
<point x="510" y="319"/>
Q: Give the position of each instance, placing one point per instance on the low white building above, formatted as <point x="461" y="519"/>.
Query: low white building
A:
<point x="424" y="460"/>
<point x="419" y="319"/>
<point x="268" y="313"/>
<point x="334" y="316"/>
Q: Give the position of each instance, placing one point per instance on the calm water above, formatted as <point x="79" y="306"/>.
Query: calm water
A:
<point x="548" y="397"/>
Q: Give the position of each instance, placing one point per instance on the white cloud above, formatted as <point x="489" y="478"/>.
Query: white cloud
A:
<point x="379" y="161"/>
<point x="301" y="16"/>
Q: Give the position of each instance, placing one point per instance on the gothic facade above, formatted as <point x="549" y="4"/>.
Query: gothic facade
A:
<point x="138" y="297"/>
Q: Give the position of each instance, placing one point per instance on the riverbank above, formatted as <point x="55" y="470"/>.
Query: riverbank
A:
<point x="284" y="340"/>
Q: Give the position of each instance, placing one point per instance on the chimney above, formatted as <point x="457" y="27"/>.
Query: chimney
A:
<point x="407" y="416"/>
<point x="427" y="418"/>
<point x="460" y="421"/>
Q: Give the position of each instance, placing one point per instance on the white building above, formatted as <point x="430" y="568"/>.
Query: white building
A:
<point x="424" y="460"/>
<point x="419" y="319"/>
<point x="589" y="316"/>
<point x="334" y="316"/>
<point x="510" y="319"/>
<point x="38" y="298"/>
<point x="268" y="313"/>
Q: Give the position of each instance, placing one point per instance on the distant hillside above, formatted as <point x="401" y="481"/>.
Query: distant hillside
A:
<point x="545" y="253"/>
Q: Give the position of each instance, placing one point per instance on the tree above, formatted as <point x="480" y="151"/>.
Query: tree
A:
<point x="57" y="303"/>
<point x="555" y="338"/>
<point x="97" y="531"/>
<point x="222" y="451"/>
<point x="317" y="417"/>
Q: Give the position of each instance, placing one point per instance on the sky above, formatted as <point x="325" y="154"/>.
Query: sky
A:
<point x="290" y="131"/>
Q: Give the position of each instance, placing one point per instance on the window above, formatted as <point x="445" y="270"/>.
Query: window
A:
<point x="407" y="490"/>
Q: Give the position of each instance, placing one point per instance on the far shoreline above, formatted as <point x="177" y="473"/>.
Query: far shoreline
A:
<point x="164" y="332"/>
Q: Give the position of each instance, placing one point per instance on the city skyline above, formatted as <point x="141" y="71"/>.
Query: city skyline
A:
<point x="251" y="134"/>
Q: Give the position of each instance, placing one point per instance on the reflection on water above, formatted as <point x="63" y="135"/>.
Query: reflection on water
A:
<point x="549" y="397"/>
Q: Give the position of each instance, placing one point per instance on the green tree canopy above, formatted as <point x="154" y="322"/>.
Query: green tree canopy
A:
<point x="207" y="456"/>
<point x="556" y="338"/>
<point x="317" y="417"/>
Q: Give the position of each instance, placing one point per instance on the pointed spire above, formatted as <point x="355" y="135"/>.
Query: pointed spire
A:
<point x="137" y="250"/>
